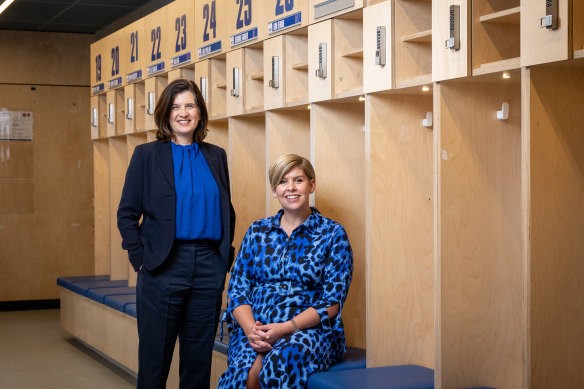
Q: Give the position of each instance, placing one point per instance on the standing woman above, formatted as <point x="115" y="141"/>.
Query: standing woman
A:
<point x="177" y="222"/>
<point x="288" y="288"/>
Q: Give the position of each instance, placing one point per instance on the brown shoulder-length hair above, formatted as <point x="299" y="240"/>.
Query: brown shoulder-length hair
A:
<point x="164" y="108"/>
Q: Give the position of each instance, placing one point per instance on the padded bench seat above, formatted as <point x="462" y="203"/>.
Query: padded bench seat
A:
<point x="100" y="294"/>
<point x="388" y="377"/>
<point x="82" y="284"/>
<point x="120" y="302"/>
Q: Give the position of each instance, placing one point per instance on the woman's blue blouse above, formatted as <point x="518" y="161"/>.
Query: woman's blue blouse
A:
<point x="198" y="203"/>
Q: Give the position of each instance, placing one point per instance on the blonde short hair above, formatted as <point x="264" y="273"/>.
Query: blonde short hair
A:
<point x="284" y="164"/>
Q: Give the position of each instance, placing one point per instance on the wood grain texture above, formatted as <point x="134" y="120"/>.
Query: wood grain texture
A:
<point x="400" y="276"/>
<point x="481" y="328"/>
<point x="338" y="155"/>
<point x="556" y="222"/>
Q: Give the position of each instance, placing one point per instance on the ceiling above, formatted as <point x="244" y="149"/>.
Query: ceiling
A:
<point x="100" y="17"/>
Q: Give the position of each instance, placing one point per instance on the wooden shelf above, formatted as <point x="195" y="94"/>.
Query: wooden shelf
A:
<point x="418" y="37"/>
<point x="498" y="66"/>
<point x="300" y="66"/>
<point x="508" y="16"/>
<point x="579" y="54"/>
<point x="422" y="79"/>
<point x="353" y="54"/>
<point x="221" y="85"/>
<point x="256" y="76"/>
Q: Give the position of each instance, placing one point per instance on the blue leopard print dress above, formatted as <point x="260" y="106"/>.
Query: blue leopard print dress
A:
<point x="279" y="277"/>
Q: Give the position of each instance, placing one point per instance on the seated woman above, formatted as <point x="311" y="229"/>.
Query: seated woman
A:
<point x="287" y="289"/>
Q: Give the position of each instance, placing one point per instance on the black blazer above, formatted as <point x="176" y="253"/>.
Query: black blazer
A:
<point x="149" y="193"/>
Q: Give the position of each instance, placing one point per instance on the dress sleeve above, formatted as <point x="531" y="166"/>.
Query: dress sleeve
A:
<point x="338" y="273"/>
<point x="240" y="284"/>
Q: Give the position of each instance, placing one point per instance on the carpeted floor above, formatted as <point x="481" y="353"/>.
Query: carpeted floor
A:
<point x="36" y="353"/>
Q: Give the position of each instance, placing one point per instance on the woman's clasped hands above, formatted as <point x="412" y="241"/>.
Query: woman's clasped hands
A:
<point x="261" y="337"/>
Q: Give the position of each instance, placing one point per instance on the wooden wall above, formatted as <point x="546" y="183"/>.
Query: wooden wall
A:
<point x="46" y="186"/>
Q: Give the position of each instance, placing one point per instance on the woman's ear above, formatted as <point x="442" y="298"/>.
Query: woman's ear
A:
<point x="312" y="185"/>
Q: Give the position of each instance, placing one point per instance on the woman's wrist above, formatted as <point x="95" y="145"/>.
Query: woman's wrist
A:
<point x="294" y="325"/>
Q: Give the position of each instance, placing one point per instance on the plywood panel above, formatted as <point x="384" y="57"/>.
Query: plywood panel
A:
<point x="450" y="63"/>
<point x="134" y="112"/>
<point x="235" y="78"/>
<point x="495" y="35"/>
<point x="159" y="37"/>
<point x="320" y="87"/>
<point x="112" y="65"/>
<point x="542" y="45"/>
<point x="253" y="56"/>
<point x="348" y="55"/>
<point x="132" y="54"/>
<point x="211" y="20"/>
<point x="153" y="87"/>
<point x="30" y="57"/>
<point x="478" y="254"/>
<point x="118" y="154"/>
<point x="287" y="131"/>
<point x="377" y="77"/>
<point x="296" y="72"/>
<point x="101" y="205"/>
<point x="247" y="162"/>
<point x="332" y="8"/>
<point x="555" y="162"/>
<point x="181" y="25"/>
<point x="246" y="22"/>
<point x="413" y="42"/>
<point x="400" y="277"/>
<point x="54" y="237"/>
<point x="338" y="155"/>
<point x="285" y="16"/>
<point x="274" y="73"/>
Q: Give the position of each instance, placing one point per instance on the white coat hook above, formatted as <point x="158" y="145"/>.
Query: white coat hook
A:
<point x="503" y="114"/>
<point x="427" y="122"/>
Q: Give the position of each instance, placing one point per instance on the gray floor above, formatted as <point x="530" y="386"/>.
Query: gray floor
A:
<point x="36" y="353"/>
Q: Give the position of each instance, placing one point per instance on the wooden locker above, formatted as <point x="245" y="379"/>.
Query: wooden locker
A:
<point x="159" y="37"/>
<point x="480" y="328"/>
<point x="413" y="43"/>
<point x="274" y="70"/>
<point x="319" y="10"/>
<point x="378" y="58"/>
<point x="283" y="16"/>
<point x="451" y="34"/>
<point x="181" y="26"/>
<point x="287" y="131"/>
<point x="211" y="75"/>
<point x="246" y="22"/>
<point x="545" y="44"/>
<point x="320" y="86"/>
<point x="400" y="211"/>
<point x="211" y="28"/>
<point x="495" y="36"/>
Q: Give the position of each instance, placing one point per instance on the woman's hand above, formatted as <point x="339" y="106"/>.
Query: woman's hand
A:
<point x="275" y="331"/>
<point x="258" y="338"/>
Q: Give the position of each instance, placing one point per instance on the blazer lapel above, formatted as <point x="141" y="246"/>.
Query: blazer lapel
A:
<point x="164" y="160"/>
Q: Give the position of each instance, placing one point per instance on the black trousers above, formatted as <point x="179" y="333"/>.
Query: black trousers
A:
<point x="180" y="299"/>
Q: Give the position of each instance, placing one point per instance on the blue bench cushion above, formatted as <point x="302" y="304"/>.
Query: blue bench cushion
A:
<point x="119" y="302"/>
<point x="81" y="287"/>
<point x="130" y="309"/>
<point x="74" y="279"/>
<point x="354" y="358"/>
<point x="100" y="294"/>
<point x="388" y="377"/>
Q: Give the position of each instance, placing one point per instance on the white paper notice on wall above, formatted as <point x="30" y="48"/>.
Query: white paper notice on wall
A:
<point x="16" y="125"/>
